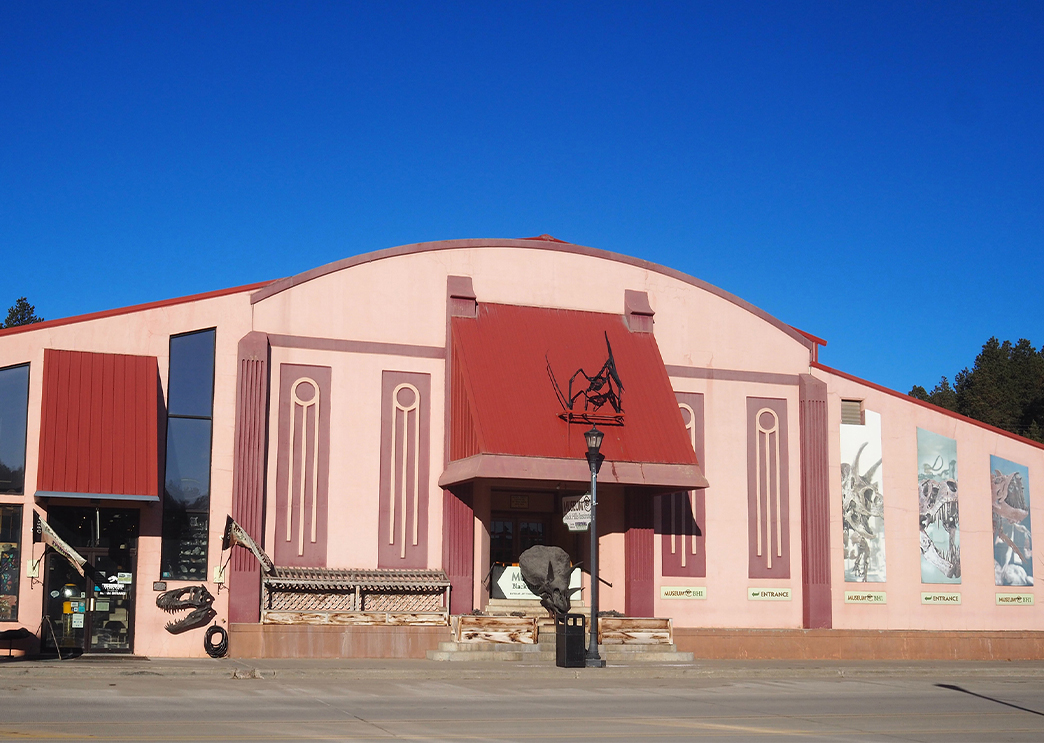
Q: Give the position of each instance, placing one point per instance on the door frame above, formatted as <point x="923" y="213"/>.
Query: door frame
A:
<point x="91" y="592"/>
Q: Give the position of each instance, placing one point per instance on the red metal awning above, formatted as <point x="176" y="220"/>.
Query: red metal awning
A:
<point x="506" y="419"/>
<point x="99" y="429"/>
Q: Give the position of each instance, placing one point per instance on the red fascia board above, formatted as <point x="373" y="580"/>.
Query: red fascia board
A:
<point x="133" y="308"/>
<point x="813" y="338"/>
<point x="928" y="405"/>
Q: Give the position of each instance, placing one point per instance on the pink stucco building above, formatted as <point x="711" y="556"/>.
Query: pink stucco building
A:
<point x="397" y="411"/>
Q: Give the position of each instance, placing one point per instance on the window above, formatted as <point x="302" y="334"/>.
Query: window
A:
<point x="10" y="561"/>
<point x="852" y="412"/>
<point x="14" y="412"/>
<point x="186" y="481"/>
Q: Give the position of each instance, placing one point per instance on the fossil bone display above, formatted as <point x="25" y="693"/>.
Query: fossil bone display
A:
<point x="863" y="505"/>
<point x="196" y="598"/>
<point x="1011" y="530"/>
<point x="938" y="508"/>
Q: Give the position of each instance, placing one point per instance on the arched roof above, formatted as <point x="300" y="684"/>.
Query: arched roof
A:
<point x="541" y="243"/>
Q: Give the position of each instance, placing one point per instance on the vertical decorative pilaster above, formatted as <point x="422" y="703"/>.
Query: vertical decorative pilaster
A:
<point x="248" y="474"/>
<point x="815" y="504"/>
<point x="640" y="590"/>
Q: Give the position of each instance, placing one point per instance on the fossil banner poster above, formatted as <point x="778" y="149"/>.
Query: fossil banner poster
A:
<point x="1012" y="537"/>
<point x="863" y="501"/>
<point x="937" y="504"/>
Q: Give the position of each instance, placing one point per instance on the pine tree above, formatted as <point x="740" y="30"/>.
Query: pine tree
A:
<point x="21" y="313"/>
<point x="1004" y="388"/>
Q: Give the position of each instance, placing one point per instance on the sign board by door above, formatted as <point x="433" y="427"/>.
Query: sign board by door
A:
<point x="508" y="584"/>
<point x="577" y="510"/>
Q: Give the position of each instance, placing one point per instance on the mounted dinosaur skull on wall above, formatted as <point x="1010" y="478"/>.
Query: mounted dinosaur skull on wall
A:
<point x="196" y="598"/>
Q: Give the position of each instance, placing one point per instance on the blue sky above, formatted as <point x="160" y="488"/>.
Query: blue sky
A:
<point x="872" y="173"/>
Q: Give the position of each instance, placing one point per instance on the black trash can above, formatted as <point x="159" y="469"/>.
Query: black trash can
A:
<point x="569" y="641"/>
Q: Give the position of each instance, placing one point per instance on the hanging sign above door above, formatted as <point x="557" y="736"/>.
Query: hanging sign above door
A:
<point x="577" y="509"/>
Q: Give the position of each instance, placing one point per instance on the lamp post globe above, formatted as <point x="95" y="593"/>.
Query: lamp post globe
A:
<point x="594" y="458"/>
<point x="594" y="440"/>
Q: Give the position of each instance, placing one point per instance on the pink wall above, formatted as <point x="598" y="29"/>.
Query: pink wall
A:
<point x="389" y="315"/>
<point x="382" y="315"/>
<point x="900" y="418"/>
<point x="147" y="333"/>
<point x="726" y="528"/>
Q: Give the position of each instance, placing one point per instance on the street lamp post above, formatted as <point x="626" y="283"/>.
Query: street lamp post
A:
<point x="595" y="459"/>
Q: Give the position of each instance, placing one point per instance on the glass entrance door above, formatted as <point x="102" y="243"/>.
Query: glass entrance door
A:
<point x="510" y="536"/>
<point x="93" y="612"/>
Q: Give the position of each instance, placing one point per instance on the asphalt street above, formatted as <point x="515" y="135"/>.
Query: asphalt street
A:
<point x="205" y="700"/>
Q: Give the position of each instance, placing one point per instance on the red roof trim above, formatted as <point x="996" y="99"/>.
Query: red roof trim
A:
<point x="538" y="244"/>
<point x="813" y="338"/>
<point x="133" y="308"/>
<point x="928" y="405"/>
<point x="660" y="475"/>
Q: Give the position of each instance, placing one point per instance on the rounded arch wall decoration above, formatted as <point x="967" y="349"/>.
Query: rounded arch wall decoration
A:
<point x="302" y="465"/>
<point x="405" y="454"/>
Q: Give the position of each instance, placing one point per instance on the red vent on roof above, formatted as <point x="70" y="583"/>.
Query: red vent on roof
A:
<point x="99" y="429"/>
<point x="547" y="238"/>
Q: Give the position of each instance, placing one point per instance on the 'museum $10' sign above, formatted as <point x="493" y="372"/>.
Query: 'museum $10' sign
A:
<point x="577" y="510"/>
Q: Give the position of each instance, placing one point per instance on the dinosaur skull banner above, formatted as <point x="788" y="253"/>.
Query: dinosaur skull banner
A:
<point x="939" y="517"/>
<point x="863" y="500"/>
<point x="1012" y="537"/>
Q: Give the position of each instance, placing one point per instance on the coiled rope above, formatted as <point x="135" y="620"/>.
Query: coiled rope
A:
<point x="217" y="649"/>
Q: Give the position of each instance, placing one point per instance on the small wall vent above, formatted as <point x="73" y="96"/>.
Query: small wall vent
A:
<point x="852" y="412"/>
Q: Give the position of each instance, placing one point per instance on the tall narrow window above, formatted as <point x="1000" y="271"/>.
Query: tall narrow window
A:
<point x="10" y="561"/>
<point x="186" y="483"/>
<point x="14" y="411"/>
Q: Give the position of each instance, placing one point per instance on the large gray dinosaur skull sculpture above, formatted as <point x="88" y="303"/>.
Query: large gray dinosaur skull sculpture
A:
<point x="546" y="572"/>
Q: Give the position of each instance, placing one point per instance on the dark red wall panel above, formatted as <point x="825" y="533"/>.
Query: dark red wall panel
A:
<point x="815" y="504"/>
<point x="683" y="516"/>
<point x="100" y="424"/>
<point x="302" y="466"/>
<point x="638" y="554"/>
<point x="458" y="548"/>
<point x="402" y="536"/>
<point x="768" y="489"/>
<point x="248" y="475"/>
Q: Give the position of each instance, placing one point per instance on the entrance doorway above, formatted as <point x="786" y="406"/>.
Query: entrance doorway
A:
<point x="518" y="520"/>
<point x="510" y="535"/>
<point x="93" y="612"/>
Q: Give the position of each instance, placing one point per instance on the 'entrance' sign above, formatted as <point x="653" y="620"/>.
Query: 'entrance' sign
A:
<point x="577" y="509"/>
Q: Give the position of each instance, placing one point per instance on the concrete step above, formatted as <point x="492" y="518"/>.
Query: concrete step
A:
<point x="496" y="647"/>
<point x="545" y="651"/>
<point x="640" y="648"/>
<point x="503" y="656"/>
<point x="507" y="607"/>
<point x="647" y="657"/>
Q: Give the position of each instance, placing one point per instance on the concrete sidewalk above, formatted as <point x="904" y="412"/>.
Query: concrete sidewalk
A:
<point x="100" y="667"/>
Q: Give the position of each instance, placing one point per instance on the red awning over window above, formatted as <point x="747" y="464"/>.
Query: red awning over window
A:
<point x="99" y="430"/>
<point x="506" y="418"/>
